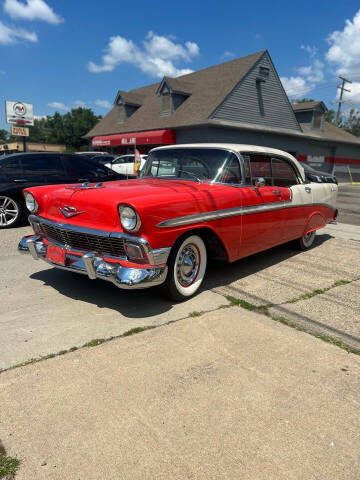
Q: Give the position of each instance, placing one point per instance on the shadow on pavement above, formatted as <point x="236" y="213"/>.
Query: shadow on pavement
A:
<point x="150" y="302"/>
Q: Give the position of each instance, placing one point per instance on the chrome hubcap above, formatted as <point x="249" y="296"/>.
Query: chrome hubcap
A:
<point x="8" y="211"/>
<point x="308" y="238"/>
<point x="188" y="264"/>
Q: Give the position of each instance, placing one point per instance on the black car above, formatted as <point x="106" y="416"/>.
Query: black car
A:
<point x="21" y="170"/>
<point x="99" y="157"/>
<point x="317" y="176"/>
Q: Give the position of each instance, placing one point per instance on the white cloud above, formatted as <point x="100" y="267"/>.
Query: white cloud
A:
<point x="2" y="72"/>
<point x="103" y="103"/>
<point x="58" y="106"/>
<point x="344" y="51"/>
<point x="157" y="56"/>
<point x="32" y="10"/>
<point x="40" y="117"/>
<point x="228" y="54"/>
<point x="258" y="36"/>
<point x="10" y="35"/>
<point x="308" y="76"/>
<point x="79" y="103"/>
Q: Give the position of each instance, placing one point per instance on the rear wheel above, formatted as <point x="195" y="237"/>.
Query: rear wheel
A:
<point x="10" y="212"/>
<point x="306" y="241"/>
<point x="186" y="268"/>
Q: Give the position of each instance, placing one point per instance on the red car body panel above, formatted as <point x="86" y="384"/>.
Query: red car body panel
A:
<point x="160" y="200"/>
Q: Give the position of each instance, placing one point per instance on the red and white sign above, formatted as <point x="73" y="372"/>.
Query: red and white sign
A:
<point x="151" y="137"/>
<point x="137" y="161"/>
<point x="19" y="113"/>
<point x="19" y="131"/>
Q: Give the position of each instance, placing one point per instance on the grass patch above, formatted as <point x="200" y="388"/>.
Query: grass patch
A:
<point x="247" y="305"/>
<point x="194" y="314"/>
<point x="93" y="343"/>
<point x="8" y="465"/>
<point x="321" y="336"/>
<point x="135" y="330"/>
<point x="318" y="291"/>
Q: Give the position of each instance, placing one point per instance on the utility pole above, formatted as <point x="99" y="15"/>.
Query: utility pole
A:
<point x="343" y="89"/>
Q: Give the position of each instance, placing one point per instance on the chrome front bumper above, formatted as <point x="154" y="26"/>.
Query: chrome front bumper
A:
<point x="95" y="266"/>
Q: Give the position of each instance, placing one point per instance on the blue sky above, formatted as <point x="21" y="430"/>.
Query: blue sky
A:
<point x="61" y="53"/>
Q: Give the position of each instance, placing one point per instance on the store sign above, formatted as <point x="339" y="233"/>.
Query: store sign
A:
<point x="128" y="141"/>
<point x="19" y="113"/>
<point x="100" y="143"/>
<point x="19" y="131"/>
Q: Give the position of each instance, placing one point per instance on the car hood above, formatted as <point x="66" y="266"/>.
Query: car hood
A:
<point x="97" y="207"/>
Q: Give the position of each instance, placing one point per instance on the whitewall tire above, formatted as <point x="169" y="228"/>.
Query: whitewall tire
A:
<point x="307" y="241"/>
<point x="186" y="268"/>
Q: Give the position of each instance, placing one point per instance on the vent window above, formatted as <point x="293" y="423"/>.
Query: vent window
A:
<point x="264" y="72"/>
<point x="317" y="120"/>
<point x="165" y="100"/>
<point x="121" y="113"/>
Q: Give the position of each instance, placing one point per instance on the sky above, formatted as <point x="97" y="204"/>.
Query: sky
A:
<point x="60" y="54"/>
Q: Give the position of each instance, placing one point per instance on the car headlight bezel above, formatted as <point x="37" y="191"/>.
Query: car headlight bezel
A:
<point x="129" y="218"/>
<point x="30" y="202"/>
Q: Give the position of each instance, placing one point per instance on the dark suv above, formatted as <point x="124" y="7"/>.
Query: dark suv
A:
<point x="21" y="170"/>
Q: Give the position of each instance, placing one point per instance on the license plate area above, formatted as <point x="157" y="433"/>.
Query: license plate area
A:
<point x="56" y="254"/>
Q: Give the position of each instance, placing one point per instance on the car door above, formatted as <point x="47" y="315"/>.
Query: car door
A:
<point x="262" y="226"/>
<point x="11" y="176"/>
<point x="43" y="169"/>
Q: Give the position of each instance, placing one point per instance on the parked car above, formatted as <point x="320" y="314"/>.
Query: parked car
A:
<point x="100" y="157"/>
<point x="317" y="176"/>
<point x="125" y="164"/>
<point x="21" y="170"/>
<point x="191" y="202"/>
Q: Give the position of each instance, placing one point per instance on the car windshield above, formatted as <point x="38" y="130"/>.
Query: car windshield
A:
<point x="199" y="164"/>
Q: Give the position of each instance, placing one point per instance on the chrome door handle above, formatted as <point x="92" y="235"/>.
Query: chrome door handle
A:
<point x="307" y="189"/>
<point x="277" y="192"/>
<point x="20" y="180"/>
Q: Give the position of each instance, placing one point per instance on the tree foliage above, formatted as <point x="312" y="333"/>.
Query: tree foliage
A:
<point x="65" y="129"/>
<point x="4" y="135"/>
<point x="351" y="122"/>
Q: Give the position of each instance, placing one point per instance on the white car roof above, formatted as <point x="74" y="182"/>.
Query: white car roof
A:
<point x="240" y="148"/>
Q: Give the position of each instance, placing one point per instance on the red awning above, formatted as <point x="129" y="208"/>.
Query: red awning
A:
<point x="151" y="137"/>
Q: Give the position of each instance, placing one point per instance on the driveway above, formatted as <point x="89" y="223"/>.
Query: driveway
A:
<point x="46" y="310"/>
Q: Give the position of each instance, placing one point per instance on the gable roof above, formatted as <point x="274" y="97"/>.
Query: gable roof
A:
<point x="130" y="98"/>
<point x="297" y="107"/>
<point x="177" y="85"/>
<point x="207" y="87"/>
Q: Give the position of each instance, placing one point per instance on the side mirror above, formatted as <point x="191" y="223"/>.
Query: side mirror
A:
<point x="260" y="182"/>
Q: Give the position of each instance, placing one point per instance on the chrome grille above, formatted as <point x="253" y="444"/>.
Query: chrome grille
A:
<point x="85" y="241"/>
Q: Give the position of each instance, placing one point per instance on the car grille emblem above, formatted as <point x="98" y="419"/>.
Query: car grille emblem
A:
<point x="69" y="211"/>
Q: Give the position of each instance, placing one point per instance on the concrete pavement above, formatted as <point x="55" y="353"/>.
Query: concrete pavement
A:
<point x="228" y="395"/>
<point x="46" y="310"/>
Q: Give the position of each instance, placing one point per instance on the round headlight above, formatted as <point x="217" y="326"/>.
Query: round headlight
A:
<point x="130" y="220"/>
<point x="31" y="203"/>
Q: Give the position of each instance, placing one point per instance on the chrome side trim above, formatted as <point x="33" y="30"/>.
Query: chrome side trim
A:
<point x="232" y="212"/>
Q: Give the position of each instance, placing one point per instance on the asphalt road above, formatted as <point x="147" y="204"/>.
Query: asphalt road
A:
<point x="349" y="204"/>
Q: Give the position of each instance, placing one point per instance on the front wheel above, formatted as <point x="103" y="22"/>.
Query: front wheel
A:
<point x="186" y="268"/>
<point x="306" y="241"/>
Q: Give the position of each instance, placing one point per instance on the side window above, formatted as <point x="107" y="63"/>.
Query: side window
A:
<point x="231" y="173"/>
<point x="260" y="168"/>
<point x="12" y="169"/>
<point x="42" y="166"/>
<point x="283" y="173"/>
<point x="247" y="170"/>
<point x="81" y="169"/>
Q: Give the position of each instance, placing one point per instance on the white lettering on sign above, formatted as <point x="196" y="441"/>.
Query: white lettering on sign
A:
<point x="19" y="131"/>
<point x="100" y="143"/>
<point x="316" y="158"/>
<point x="128" y="141"/>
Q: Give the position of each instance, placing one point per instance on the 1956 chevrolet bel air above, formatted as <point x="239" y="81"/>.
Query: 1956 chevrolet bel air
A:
<point x="191" y="202"/>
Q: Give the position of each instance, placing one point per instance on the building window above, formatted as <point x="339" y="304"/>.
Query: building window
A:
<point x="121" y="113"/>
<point x="165" y="103"/>
<point x="317" y="120"/>
<point x="264" y="72"/>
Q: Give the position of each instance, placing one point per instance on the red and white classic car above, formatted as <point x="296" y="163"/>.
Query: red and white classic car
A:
<point x="192" y="202"/>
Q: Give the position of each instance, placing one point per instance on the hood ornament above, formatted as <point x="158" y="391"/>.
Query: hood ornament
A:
<point x="84" y="186"/>
<point x="69" y="211"/>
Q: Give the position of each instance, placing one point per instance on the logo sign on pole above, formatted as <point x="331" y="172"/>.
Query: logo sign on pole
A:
<point x="19" y="113"/>
<point x="19" y="131"/>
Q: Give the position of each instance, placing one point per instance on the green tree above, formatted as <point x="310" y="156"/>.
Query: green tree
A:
<point x="4" y="135"/>
<point x="351" y="123"/>
<point x="65" y="129"/>
<point x="304" y="100"/>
